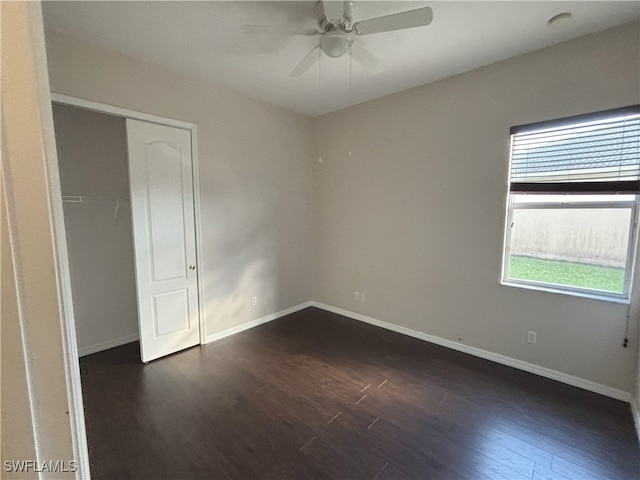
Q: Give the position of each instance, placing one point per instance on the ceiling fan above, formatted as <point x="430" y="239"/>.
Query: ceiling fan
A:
<point x="338" y="32"/>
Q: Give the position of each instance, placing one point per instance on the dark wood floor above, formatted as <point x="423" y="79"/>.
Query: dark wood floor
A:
<point x="316" y="395"/>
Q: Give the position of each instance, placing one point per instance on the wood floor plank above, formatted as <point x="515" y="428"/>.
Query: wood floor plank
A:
<point x="544" y="473"/>
<point x="318" y="396"/>
<point x="537" y="455"/>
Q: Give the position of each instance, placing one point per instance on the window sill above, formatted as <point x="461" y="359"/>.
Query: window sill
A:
<point x="573" y="293"/>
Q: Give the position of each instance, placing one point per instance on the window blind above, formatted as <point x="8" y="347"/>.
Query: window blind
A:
<point x="592" y="154"/>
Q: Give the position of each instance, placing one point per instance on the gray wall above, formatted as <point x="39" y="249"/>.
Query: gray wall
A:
<point x="414" y="219"/>
<point x="92" y="157"/>
<point x="16" y="415"/>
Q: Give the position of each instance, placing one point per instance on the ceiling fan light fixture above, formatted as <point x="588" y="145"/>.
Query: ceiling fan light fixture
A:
<point x="334" y="44"/>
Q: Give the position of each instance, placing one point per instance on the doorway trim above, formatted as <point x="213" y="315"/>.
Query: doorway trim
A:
<point x="193" y="129"/>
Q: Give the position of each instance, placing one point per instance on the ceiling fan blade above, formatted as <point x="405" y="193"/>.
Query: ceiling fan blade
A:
<point x="333" y="10"/>
<point x="309" y="59"/>
<point x="397" y="21"/>
<point x="366" y="58"/>
<point x="278" y="30"/>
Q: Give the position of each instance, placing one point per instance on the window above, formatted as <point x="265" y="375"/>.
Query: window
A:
<point x="572" y="208"/>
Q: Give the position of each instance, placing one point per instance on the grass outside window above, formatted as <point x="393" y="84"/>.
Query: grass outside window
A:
<point x="558" y="272"/>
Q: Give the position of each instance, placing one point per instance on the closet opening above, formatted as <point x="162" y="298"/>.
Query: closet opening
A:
<point x="129" y="192"/>
<point x="94" y="178"/>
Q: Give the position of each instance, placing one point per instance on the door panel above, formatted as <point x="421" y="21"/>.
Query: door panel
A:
<point x="164" y="170"/>
<point x="161" y="180"/>
<point x="171" y="312"/>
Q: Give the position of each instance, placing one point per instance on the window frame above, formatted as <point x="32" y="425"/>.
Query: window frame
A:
<point x="568" y="289"/>
<point x="580" y="188"/>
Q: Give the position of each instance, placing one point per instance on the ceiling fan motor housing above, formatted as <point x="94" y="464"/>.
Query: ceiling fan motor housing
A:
<point x="333" y="24"/>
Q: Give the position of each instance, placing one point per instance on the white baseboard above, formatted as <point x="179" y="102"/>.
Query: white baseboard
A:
<point x="254" y="323"/>
<point x="495" y="357"/>
<point x="98" y="347"/>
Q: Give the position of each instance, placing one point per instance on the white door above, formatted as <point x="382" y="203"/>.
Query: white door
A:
<point x="160" y="174"/>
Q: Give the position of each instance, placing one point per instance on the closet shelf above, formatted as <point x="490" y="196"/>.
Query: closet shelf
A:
<point x="88" y="199"/>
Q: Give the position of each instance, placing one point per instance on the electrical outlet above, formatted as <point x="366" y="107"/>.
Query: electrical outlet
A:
<point x="532" y="337"/>
<point x="254" y="301"/>
<point x="356" y="296"/>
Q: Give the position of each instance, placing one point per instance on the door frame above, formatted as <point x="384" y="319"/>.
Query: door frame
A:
<point x="125" y="113"/>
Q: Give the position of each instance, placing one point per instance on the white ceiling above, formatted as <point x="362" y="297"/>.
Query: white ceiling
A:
<point x="203" y="39"/>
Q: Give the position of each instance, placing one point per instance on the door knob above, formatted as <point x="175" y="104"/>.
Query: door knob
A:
<point x="192" y="267"/>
